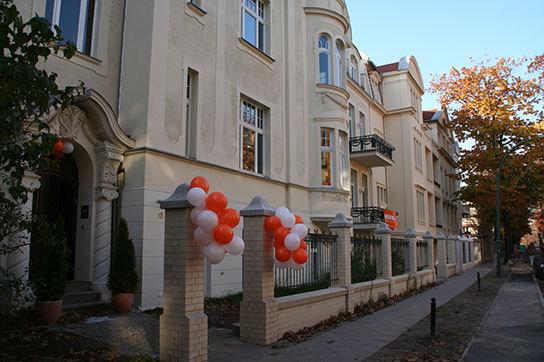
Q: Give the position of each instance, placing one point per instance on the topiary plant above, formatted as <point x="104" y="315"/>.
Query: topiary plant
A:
<point x="123" y="277"/>
<point x="50" y="285"/>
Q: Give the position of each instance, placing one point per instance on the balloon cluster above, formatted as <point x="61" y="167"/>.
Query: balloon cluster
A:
<point x="61" y="147"/>
<point x="214" y="222"/>
<point x="289" y="232"/>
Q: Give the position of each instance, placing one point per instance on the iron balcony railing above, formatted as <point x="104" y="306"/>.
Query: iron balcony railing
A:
<point x="367" y="215"/>
<point x="371" y="142"/>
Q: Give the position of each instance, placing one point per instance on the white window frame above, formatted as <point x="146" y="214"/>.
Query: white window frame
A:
<point x="253" y="123"/>
<point x="351" y="116"/>
<point x="324" y="50"/>
<point x="362" y="124"/>
<point x="382" y="195"/>
<point x="327" y="147"/>
<point x="82" y="22"/>
<point x="354" y="69"/>
<point x="420" y="199"/>
<point x="339" y="63"/>
<point x="256" y="9"/>
<point x="418" y="156"/>
<point x="343" y="162"/>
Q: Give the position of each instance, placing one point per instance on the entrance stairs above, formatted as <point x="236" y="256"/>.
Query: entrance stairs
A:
<point x="80" y="294"/>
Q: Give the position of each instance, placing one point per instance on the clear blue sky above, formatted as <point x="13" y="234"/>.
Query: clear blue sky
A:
<point x="441" y="33"/>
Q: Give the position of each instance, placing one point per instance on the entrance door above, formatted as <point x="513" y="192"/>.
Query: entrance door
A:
<point x="57" y="197"/>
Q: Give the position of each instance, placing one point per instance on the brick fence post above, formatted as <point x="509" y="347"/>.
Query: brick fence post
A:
<point x="459" y="254"/>
<point x="410" y="236"/>
<point x="471" y="249"/>
<point x="258" y="308"/>
<point x="442" y="271"/>
<point x="451" y="249"/>
<point x="342" y="227"/>
<point x="429" y="239"/>
<point x="386" y="270"/>
<point x="183" y="325"/>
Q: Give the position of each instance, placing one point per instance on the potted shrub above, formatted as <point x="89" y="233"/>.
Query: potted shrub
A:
<point x="50" y="285"/>
<point x="123" y="279"/>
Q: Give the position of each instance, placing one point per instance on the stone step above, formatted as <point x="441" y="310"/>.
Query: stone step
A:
<point x="101" y="304"/>
<point x="88" y="296"/>
<point x="74" y="286"/>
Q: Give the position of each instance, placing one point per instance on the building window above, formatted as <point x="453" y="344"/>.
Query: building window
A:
<point x="339" y="64"/>
<point x="353" y="69"/>
<point x="324" y="54"/>
<point x="343" y="159"/>
<point x="252" y="137"/>
<point x="362" y="124"/>
<point x="418" y="155"/>
<point x="191" y="112"/>
<point x="253" y="23"/>
<point x="75" y="18"/>
<point x="382" y="195"/>
<point x="326" y="156"/>
<point x="351" y="115"/>
<point x="420" y="206"/>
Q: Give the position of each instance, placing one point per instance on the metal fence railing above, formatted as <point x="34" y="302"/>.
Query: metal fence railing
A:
<point x="364" y="251"/>
<point x="421" y="255"/>
<point x="399" y="255"/>
<point x="319" y="270"/>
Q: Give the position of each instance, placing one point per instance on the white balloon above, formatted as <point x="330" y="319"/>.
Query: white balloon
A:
<point x="195" y="212"/>
<point x="214" y="253"/>
<point x="196" y="196"/>
<point x="203" y="238"/>
<point x="68" y="147"/>
<point x="281" y="264"/>
<point x="288" y="220"/>
<point x="292" y="241"/>
<point x="207" y="220"/>
<point x="282" y="211"/>
<point x="235" y="246"/>
<point x="300" y="229"/>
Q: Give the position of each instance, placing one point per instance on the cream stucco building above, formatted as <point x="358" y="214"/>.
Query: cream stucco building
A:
<point x="262" y="98"/>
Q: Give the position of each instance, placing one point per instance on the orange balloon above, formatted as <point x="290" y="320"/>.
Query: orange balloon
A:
<point x="58" y="154"/>
<point x="201" y="182"/>
<point x="223" y="234"/>
<point x="298" y="220"/>
<point x="300" y="256"/>
<point x="230" y="217"/>
<point x="279" y="244"/>
<point x="303" y="245"/>
<point x="59" y="145"/>
<point x="272" y="222"/>
<point x="216" y="202"/>
<point x="280" y="233"/>
<point x="283" y="254"/>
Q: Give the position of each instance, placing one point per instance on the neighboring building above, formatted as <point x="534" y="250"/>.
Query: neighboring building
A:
<point x="261" y="98"/>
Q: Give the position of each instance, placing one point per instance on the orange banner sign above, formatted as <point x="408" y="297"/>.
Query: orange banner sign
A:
<point x="390" y="219"/>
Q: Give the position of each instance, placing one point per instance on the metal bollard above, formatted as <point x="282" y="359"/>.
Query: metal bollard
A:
<point x="479" y="282"/>
<point x="433" y="317"/>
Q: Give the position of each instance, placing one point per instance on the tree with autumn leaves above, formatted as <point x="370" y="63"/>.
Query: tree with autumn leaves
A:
<point x="494" y="105"/>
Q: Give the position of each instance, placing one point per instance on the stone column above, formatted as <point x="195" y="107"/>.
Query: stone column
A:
<point x="383" y="232"/>
<point x="342" y="227"/>
<point x="429" y="238"/>
<point x="451" y="249"/>
<point x="459" y="253"/>
<point x="442" y="262"/>
<point x="183" y="325"/>
<point x="109" y="157"/>
<point x="471" y="249"/>
<point x="258" y="317"/>
<point x="410" y="236"/>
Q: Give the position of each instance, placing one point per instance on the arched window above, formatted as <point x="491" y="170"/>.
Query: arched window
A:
<point x="324" y="54"/>
<point x="339" y="64"/>
<point x="353" y="69"/>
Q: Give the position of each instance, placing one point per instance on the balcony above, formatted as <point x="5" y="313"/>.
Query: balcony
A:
<point x="367" y="217"/>
<point x="371" y="151"/>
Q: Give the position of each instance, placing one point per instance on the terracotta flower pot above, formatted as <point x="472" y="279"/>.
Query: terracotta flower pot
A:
<point x="122" y="302"/>
<point x="49" y="312"/>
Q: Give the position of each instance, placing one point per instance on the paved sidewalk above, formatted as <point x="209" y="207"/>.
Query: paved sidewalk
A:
<point x="514" y="327"/>
<point x="350" y="341"/>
